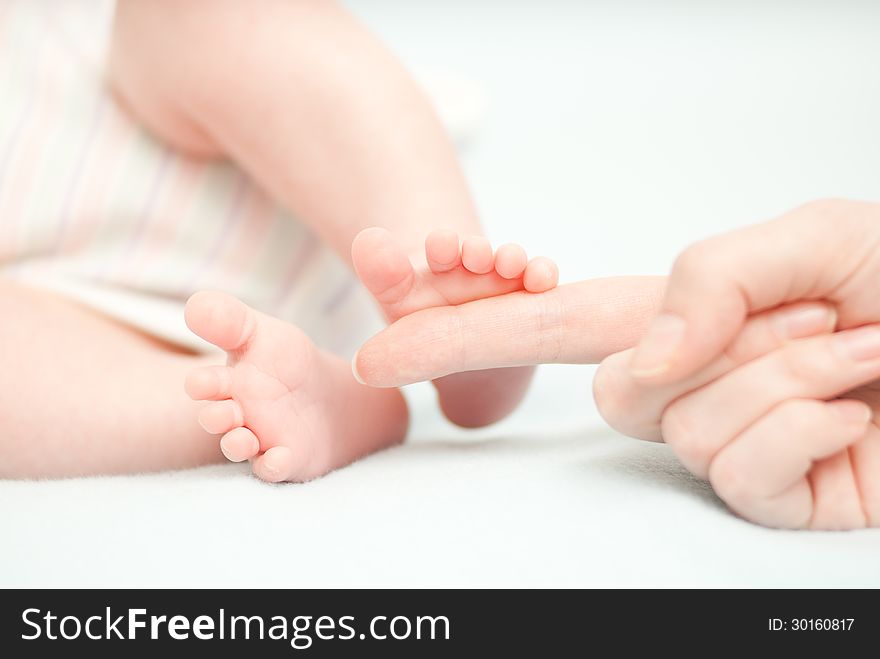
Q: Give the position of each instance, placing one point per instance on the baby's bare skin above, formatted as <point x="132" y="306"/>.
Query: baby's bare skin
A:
<point x="296" y="411"/>
<point x="81" y="394"/>
<point x="328" y="122"/>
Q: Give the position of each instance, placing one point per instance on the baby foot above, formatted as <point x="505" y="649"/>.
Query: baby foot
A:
<point x="451" y="273"/>
<point x="295" y="411"/>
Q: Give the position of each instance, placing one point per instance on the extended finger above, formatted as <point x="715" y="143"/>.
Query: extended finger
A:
<point x="576" y="323"/>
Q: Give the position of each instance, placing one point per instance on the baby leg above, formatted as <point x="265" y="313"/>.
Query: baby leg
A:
<point x="81" y="394"/>
<point x="323" y="117"/>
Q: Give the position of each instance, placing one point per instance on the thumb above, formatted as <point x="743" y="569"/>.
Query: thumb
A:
<point x="576" y="324"/>
<point x="716" y="284"/>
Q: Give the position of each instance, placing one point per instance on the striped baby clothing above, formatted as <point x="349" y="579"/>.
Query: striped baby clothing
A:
<point x="93" y="207"/>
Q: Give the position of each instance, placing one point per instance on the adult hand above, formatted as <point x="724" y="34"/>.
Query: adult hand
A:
<point x="778" y="420"/>
<point x="705" y="377"/>
<point x="764" y="422"/>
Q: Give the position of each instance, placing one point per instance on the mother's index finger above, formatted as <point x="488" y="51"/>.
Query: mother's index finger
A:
<point x="574" y="323"/>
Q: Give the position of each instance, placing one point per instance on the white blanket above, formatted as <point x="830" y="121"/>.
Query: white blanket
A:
<point x="619" y="133"/>
<point x="565" y="506"/>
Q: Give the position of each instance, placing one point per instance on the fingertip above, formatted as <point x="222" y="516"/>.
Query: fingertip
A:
<point x="852" y="412"/>
<point x="803" y="319"/>
<point x="354" y="369"/>
<point x="372" y="362"/>
<point x="417" y="347"/>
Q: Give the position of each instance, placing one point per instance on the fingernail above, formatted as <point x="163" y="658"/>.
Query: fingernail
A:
<point x="657" y="348"/>
<point x="225" y="454"/>
<point x="860" y="345"/>
<point x="851" y="411"/>
<point x="804" y="321"/>
<point x="354" y="370"/>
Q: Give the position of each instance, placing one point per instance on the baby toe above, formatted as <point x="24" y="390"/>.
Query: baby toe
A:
<point x="220" y="417"/>
<point x="442" y="251"/>
<point x="510" y="261"/>
<point x="476" y="255"/>
<point x="209" y="383"/>
<point x="541" y="275"/>
<point x="239" y="444"/>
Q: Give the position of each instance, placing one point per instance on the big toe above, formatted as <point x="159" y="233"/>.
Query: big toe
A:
<point x="220" y="319"/>
<point x="382" y="265"/>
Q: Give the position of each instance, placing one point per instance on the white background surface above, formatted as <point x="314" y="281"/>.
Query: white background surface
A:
<point x="618" y="133"/>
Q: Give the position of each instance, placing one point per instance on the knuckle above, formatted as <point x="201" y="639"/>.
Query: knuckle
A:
<point x="825" y="214"/>
<point x="825" y="211"/>
<point x="823" y="206"/>
<point x="805" y="365"/>
<point x="731" y="483"/>
<point x="868" y="489"/>
<point x="688" y="442"/>
<point x="870" y="500"/>
<point x="453" y="330"/>
<point x="551" y="328"/>
<point x="695" y="260"/>
<point x="757" y="338"/>
<point x="613" y="398"/>
<point x="744" y="347"/>
<point x="847" y="220"/>
<point x="622" y="403"/>
<point x="796" y="414"/>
